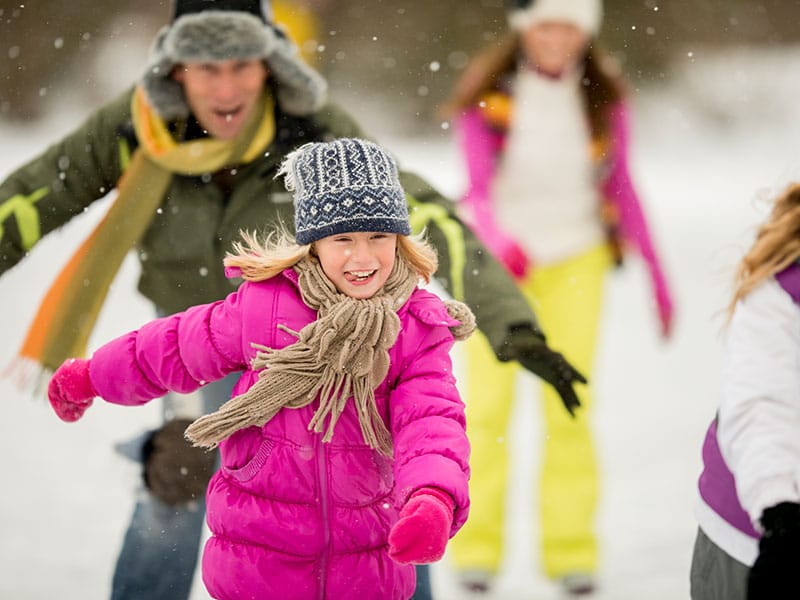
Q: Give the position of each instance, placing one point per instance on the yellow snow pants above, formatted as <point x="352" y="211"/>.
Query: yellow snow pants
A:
<point x="567" y="298"/>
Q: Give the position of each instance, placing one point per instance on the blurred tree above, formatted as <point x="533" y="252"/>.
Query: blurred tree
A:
<point x="41" y="41"/>
<point x="404" y="53"/>
<point x="647" y="34"/>
<point x="408" y="53"/>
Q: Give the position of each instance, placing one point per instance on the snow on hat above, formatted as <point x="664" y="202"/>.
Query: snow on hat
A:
<point x="217" y="30"/>
<point x="585" y="14"/>
<point x="344" y="186"/>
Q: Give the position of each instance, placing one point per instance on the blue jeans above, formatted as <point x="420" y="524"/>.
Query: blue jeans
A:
<point x="160" y="550"/>
<point x="423" y="590"/>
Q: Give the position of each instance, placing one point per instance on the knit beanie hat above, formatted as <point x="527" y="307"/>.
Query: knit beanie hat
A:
<point x="344" y="186"/>
<point x="217" y="30"/>
<point x="585" y="14"/>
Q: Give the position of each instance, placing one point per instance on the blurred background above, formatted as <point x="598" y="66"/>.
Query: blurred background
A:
<point x="716" y="122"/>
<point x="408" y="51"/>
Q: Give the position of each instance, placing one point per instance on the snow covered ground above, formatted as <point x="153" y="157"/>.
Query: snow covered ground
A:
<point x="708" y="152"/>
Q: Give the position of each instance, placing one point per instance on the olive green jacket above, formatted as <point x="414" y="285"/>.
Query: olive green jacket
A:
<point x="182" y="251"/>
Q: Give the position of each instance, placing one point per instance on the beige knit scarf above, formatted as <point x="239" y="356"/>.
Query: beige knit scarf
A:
<point x="344" y="353"/>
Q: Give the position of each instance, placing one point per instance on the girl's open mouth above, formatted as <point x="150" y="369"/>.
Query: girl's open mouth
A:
<point x="359" y="276"/>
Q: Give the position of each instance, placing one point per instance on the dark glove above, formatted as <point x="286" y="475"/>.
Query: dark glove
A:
<point x="774" y="574"/>
<point x="175" y="471"/>
<point x="529" y="348"/>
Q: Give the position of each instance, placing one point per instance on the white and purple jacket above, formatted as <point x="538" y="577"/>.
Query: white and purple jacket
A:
<point x="751" y="453"/>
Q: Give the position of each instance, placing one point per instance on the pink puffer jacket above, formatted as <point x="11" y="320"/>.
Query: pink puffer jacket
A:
<point x="292" y="517"/>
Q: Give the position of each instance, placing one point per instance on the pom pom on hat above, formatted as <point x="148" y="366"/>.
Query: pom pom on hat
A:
<point x="585" y="14"/>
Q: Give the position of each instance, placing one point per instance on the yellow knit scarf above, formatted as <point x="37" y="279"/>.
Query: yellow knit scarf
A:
<point x="69" y="310"/>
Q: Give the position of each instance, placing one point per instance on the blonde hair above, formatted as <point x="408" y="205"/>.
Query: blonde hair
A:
<point x="777" y="245"/>
<point x="260" y="260"/>
<point x="419" y="254"/>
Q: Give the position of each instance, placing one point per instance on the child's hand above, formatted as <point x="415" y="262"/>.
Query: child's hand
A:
<point x="774" y="573"/>
<point x="70" y="390"/>
<point x="420" y="535"/>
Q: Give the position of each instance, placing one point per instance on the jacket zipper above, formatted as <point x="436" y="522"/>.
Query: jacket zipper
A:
<point x="322" y="472"/>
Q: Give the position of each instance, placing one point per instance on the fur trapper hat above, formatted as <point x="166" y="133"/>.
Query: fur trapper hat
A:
<point x="343" y="186"/>
<point x="585" y="14"/>
<point x="217" y="30"/>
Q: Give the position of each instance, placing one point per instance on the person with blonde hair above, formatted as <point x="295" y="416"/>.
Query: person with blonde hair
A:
<point x="344" y="455"/>
<point x="543" y="123"/>
<point x="189" y="153"/>
<point x="748" y="511"/>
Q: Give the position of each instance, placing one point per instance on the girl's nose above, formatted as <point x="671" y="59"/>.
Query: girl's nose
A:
<point x="361" y="251"/>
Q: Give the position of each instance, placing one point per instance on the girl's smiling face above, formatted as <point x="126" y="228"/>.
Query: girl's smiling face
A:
<point x="357" y="263"/>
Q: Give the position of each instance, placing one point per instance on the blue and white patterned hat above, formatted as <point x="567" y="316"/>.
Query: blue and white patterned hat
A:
<point x="344" y="186"/>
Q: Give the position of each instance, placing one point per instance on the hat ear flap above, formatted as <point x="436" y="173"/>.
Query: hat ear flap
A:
<point x="163" y="92"/>
<point x="301" y="90"/>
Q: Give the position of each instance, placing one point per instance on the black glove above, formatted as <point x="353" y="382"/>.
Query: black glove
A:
<point x="529" y="348"/>
<point x="774" y="574"/>
<point x="175" y="471"/>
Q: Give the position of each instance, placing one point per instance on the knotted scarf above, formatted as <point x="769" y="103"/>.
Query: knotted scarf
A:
<point x="69" y="310"/>
<point x="343" y="353"/>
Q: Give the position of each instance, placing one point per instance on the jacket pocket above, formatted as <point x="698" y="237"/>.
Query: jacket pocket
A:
<point x="249" y="469"/>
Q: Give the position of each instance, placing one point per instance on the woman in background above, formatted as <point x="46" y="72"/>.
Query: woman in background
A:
<point x="543" y="124"/>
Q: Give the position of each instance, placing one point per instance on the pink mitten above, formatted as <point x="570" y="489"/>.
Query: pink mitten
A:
<point x="70" y="390"/>
<point x="515" y="260"/>
<point x="504" y="248"/>
<point x="421" y="533"/>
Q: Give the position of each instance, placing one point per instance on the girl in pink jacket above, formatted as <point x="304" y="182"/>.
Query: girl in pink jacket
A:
<point x="344" y="457"/>
<point x="544" y="133"/>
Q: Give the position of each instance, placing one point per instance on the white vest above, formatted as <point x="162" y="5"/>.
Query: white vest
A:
<point x="545" y="191"/>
